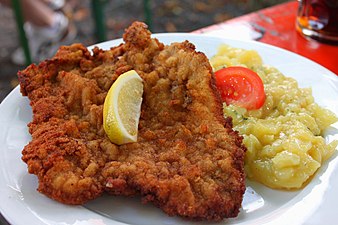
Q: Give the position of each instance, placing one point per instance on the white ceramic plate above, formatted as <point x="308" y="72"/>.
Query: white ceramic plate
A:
<point x="20" y="203"/>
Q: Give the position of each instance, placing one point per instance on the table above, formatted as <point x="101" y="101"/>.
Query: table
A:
<point x="277" y="26"/>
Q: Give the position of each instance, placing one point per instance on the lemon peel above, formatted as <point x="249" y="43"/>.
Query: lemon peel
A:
<point x="122" y="108"/>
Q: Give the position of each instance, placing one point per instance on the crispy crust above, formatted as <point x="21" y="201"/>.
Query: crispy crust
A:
<point x="188" y="161"/>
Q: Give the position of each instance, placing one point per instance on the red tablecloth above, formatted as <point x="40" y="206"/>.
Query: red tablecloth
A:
<point x="277" y="26"/>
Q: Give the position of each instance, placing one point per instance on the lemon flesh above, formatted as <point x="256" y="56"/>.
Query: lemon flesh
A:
<point x="122" y="108"/>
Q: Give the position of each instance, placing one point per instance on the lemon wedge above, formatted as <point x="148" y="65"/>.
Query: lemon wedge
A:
<point x="122" y="108"/>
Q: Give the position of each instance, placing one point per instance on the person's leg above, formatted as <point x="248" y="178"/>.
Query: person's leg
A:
<point x="45" y="28"/>
<point x="35" y="11"/>
<point x="38" y="13"/>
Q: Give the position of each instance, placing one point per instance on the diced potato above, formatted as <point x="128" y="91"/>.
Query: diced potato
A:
<point x="282" y="137"/>
<point x="285" y="159"/>
<point x="250" y="58"/>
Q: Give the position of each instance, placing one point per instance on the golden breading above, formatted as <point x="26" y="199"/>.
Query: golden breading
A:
<point x="188" y="161"/>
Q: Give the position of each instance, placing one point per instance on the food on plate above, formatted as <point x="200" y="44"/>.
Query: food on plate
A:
<point x="283" y="139"/>
<point x="122" y="108"/>
<point x="240" y="86"/>
<point x="187" y="159"/>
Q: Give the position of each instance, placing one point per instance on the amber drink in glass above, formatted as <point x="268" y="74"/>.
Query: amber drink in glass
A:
<point x="318" y="19"/>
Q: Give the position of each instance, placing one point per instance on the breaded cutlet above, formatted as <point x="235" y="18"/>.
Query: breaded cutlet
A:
<point x="187" y="160"/>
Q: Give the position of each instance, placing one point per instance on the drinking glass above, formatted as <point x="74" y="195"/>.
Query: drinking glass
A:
<point x="318" y="19"/>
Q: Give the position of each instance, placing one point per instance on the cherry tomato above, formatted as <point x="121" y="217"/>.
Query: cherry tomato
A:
<point x="240" y="86"/>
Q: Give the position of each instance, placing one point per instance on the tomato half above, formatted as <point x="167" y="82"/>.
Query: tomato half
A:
<point x="240" y="86"/>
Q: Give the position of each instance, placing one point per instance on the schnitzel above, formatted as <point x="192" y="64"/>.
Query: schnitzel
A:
<point x="187" y="160"/>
